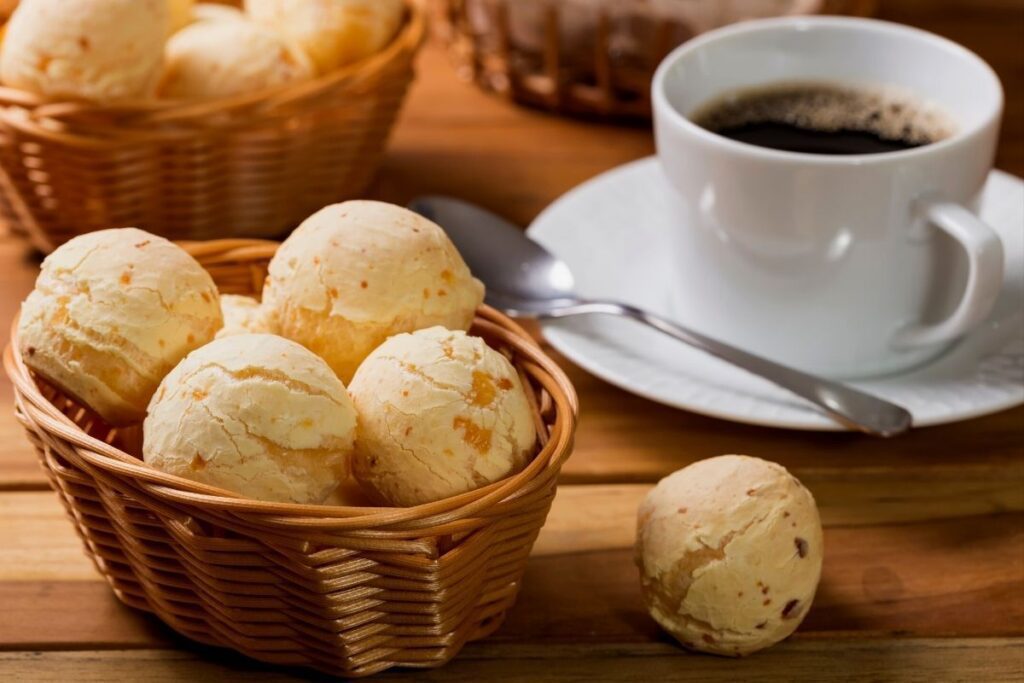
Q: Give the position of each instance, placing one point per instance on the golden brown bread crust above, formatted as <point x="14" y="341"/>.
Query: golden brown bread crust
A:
<point x="730" y="552"/>
<point x="440" y="413"/>
<point x="332" y="32"/>
<point x="211" y="59"/>
<point x="255" y="414"/>
<point x="111" y="313"/>
<point x="85" y="49"/>
<point x="355" y="273"/>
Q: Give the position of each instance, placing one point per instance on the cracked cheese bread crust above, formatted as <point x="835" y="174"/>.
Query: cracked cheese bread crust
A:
<point x="332" y="32"/>
<point x="242" y="315"/>
<point x="440" y="413"/>
<point x="223" y="58"/>
<point x="730" y="551"/>
<point x="355" y="273"/>
<point x="255" y="414"/>
<point x="111" y="313"/>
<point x="100" y="50"/>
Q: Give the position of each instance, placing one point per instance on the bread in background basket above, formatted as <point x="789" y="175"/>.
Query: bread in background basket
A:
<point x="103" y="51"/>
<point x="223" y="159"/>
<point x="210" y="59"/>
<point x="345" y="589"/>
<point x="107" y="51"/>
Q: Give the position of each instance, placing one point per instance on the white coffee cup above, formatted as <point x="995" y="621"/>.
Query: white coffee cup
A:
<point x="840" y="265"/>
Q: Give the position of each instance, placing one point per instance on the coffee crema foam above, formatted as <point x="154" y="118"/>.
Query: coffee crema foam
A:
<point x="887" y="113"/>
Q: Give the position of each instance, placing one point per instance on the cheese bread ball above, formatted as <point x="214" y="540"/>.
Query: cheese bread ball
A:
<point x="111" y="313"/>
<point x="355" y="273"/>
<point x="101" y="50"/>
<point x="242" y="315"/>
<point x="332" y="32"/>
<point x="223" y="58"/>
<point x="440" y="413"/>
<point x="730" y="552"/>
<point x="254" y="414"/>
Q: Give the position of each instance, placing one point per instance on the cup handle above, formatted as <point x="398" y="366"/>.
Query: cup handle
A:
<point x="984" y="277"/>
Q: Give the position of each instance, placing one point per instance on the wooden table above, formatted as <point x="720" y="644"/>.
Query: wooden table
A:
<point x="924" y="569"/>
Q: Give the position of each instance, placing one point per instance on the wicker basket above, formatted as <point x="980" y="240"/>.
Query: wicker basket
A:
<point x="251" y="165"/>
<point x="588" y="57"/>
<point x="347" y="590"/>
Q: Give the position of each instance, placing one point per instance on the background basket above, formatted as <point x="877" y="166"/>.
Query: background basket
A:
<point x="591" y="57"/>
<point x="252" y="165"/>
<point x="347" y="590"/>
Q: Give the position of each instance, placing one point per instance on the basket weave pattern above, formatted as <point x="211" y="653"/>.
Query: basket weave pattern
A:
<point x="347" y="590"/>
<point x="587" y="57"/>
<point x="250" y="165"/>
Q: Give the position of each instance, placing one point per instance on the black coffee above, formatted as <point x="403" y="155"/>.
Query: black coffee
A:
<point x="818" y="118"/>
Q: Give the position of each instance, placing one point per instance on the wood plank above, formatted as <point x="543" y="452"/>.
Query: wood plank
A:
<point x="19" y="469"/>
<point x="800" y="659"/>
<point x="37" y="542"/>
<point x="73" y="614"/>
<point x="18" y="268"/>
<point x="901" y="578"/>
<point x="455" y="139"/>
<point x="948" y="576"/>
<point x="602" y="517"/>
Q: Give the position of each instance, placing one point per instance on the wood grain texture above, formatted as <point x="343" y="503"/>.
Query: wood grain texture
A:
<point x="88" y="616"/>
<point x="924" y="571"/>
<point x="924" y="660"/>
<point x="38" y="543"/>
<point x="952" y="575"/>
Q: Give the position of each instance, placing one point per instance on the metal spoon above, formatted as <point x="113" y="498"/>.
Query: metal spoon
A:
<point x="525" y="280"/>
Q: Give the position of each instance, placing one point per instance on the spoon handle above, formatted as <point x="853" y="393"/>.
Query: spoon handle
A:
<point x="846" y="405"/>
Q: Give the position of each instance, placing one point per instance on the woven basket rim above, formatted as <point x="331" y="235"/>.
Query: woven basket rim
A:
<point x="14" y="102"/>
<point x="486" y="42"/>
<point x="35" y="407"/>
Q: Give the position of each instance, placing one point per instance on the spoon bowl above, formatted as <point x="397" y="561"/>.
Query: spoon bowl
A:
<point x="514" y="267"/>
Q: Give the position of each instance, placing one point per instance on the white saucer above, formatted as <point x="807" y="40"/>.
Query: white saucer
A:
<point x="610" y="230"/>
